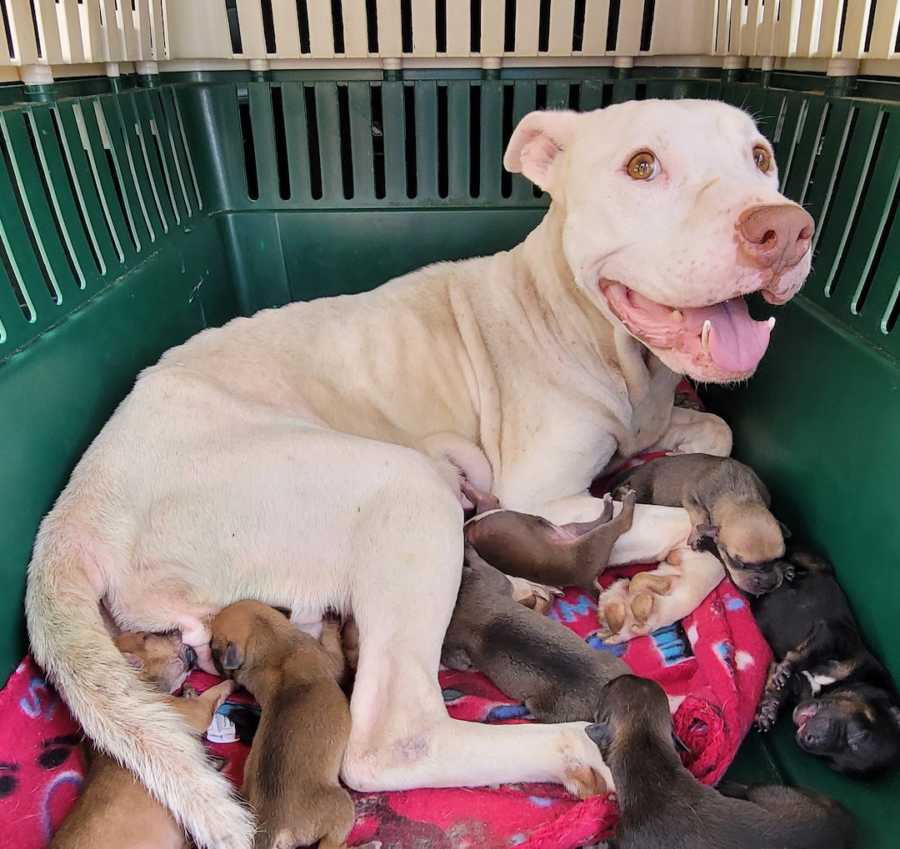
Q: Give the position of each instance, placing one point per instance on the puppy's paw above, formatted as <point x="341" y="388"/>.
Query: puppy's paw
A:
<point x="781" y="675"/>
<point x="767" y="714"/>
<point x="788" y="572"/>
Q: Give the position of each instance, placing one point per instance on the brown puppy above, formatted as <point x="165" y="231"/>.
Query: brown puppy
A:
<point x="527" y="546"/>
<point x="291" y="776"/>
<point x="729" y="508"/>
<point x="531" y="658"/>
<point x="664" y="807"/>
<point x="115" y="810"/>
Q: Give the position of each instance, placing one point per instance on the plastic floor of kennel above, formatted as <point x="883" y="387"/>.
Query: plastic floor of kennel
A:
<point x="133" y="215"/>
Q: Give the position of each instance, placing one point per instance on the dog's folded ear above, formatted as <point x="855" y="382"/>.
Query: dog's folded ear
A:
<point x="536" y="143"/>
<point x="601" y="734"/>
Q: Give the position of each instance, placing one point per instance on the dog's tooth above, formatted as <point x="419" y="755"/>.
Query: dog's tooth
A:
<point x="677" y="315"/>
<point x="704" y="335"/>
<point x="771" y="322"/>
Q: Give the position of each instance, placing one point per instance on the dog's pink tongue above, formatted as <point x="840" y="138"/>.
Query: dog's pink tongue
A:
<point x="736" y="342"/>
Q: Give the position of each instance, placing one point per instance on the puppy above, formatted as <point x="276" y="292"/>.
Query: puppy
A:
<point x="115" y="809"/>
<point x="664" y="807"/>
<point x="530" y="547"/>
<point x="291" y="776"/>
<point x="729" y="508"/>
<point x="847" y="708"/>
<point x="530" y="657"/>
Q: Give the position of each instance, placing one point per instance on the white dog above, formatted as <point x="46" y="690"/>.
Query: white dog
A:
<point x="309" y="456"/>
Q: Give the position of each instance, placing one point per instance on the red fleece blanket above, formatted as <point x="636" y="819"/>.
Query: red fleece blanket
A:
<point x="714" y="661"/>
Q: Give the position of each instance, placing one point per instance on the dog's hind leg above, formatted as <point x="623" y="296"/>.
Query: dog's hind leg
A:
<point x="402" y="599"/>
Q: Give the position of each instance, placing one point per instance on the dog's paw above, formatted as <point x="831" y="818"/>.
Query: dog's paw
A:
<point x="767" y="713"/>
<point x="631" y="608"/>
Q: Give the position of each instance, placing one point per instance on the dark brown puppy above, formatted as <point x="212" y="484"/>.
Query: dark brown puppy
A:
<point x="664" y="807"/>
<point x="848" y="711"/>
<point x="530" y="547"/>
<point x="291" y="776"/>
<point x="729" y="508"/>
<point x="115" y="809"/>
<point x="531" y="658"/>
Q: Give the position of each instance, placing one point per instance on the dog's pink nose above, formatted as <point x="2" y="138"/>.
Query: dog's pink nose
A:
<point x="775" y="236"/>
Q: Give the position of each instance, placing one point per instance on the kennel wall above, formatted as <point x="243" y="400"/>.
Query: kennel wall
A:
<point x="168" y="166"/>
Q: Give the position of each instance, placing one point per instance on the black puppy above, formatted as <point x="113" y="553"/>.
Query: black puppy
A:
<point x="664" y="807"/>
<point x="847" y="707"/>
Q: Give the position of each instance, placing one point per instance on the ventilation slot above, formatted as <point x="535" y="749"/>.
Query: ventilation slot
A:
<point x="12" y="274"/>
<point x="337" y="25"/>
<point x="540" y="102"/>
<point x="10" y="44"/>
<point x="312" y="140"/>
<point x="377" y="140"/>
<point x="268" y="23"/>
<point x="281" y="155"/>
<point x="372" y="25"/>
<point x="544" y="27"/>
<point x="115" y="174"/>
<point x="640" y="91"/>
<point x="509" y="26"/>
<point x="840" y="41"/>
<point x="442" y="143"/>
<point x="234" y="26"/>
<point x="176" y="160"/>
<point x="889" y="320"/>
<point x="798" y="134"/>
<point x="887" y="224"/>
<point x="440" y="26"/>
<point x="574" y="97"/>
<point x="836" y="175"/>
<point x="249" y="148"/>
<point x="28" y="224"/>
<point x="49" y="193"/>
<point x="187" y="149"/>
<point x="870" y="24"/>
<point x="855" y="211"/>
<point x="612" y="28"/>
<point x="647" y="25"/>
<point x="406" y="34"/>
<point x="817" y="151"/>
<point x="409" y="113"/>
<point x="151" y="177"/>
<point x="505" y="176"/>
<point x="75" y="188"/>
<point x="303" y="25"/>
<point x="475" y="141"/>
<point x="475" y="25"/>
<point x="37" y="31"/>
<point x="578" y="26"/>
<point x="344" y="134"/>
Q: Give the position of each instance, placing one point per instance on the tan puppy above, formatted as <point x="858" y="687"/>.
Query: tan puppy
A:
<point x="291" y="776"/>
<point x="115" y="809"/>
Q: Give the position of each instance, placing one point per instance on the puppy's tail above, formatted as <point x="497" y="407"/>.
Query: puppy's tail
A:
<point x="117" y="711"/>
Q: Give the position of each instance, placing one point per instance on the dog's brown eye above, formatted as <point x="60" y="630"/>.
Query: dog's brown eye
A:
<point x="642" y="166"/>
<point x="762" y="158"/>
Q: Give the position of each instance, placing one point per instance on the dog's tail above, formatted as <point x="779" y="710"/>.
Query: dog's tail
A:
<point x="122" y="716"/>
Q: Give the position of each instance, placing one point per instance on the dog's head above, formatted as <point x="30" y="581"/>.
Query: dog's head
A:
<point x="671" y="215"/>
<point x="160" y="659"/>
<point x="245" y="634"/>
<point x="856" y="729"/>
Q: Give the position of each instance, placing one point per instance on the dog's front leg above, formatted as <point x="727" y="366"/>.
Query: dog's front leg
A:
<point x="693" y="432"/>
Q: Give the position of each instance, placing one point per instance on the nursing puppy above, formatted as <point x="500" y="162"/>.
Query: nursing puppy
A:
<point x="847" y="710"/>
<point x="530" y="657"/>
<point x="115" y="809"/>
<point x="291" y="775"/>
<point x="664" y="807"/>
<point x="530" y="547"/>
<point x="729" y="509"/>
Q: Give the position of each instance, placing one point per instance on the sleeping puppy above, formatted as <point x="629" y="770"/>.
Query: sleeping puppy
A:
<point x="847" y="707"/>
<point x="729" y="509"/>
<point x="663" y="806"/>
<point x="115" y="809"/>
<point x="529" y="657"/>
<point x="291" y="776"/>
<point x="530" y="547"/>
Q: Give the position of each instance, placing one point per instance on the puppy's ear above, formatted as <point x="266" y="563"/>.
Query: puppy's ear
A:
<point x="535" y="146"/>
<point x="134" y="661"/>
<point x="232" y="657"/>
<point x="601" y="734"/>
<point x="785" y="530"/>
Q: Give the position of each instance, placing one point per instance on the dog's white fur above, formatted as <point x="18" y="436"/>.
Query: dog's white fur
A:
<point x="307" y="457"/>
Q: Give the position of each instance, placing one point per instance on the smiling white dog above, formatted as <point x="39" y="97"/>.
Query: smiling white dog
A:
<point x="308" y="456"/>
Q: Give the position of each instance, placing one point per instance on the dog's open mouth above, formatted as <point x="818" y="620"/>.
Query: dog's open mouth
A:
<point x="720" y="338"/>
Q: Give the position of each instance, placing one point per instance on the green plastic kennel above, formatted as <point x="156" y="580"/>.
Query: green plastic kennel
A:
<point x="232" y="155"/>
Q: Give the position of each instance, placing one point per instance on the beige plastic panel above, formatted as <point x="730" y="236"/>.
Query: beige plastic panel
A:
<point x="70" y="32"/>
